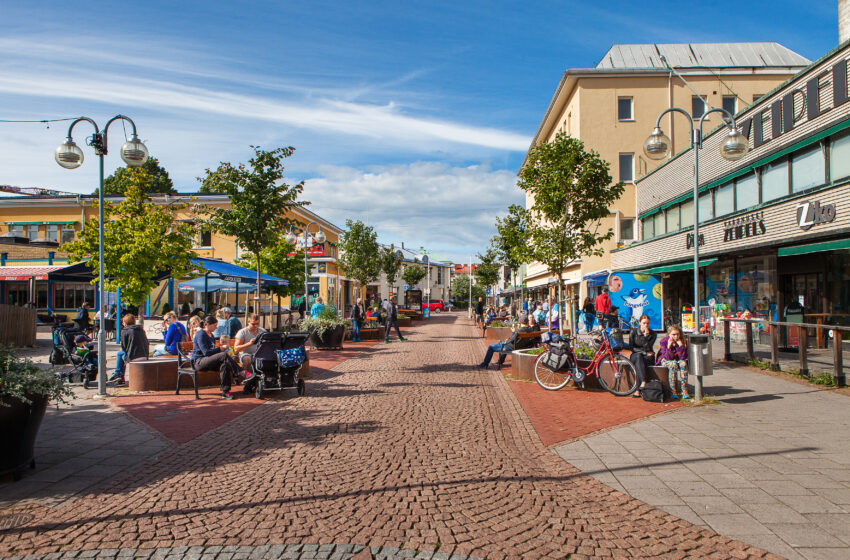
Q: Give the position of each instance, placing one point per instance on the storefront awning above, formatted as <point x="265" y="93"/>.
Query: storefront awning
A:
<point x="26" y="272"/>
<point x="677" y="267"/>
<point x="814" y="248"/>
<point x="214" y="285"/>
<point x="235" y="273"/>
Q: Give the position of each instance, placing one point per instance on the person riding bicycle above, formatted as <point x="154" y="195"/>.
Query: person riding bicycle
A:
<point x="513" y="342"/>
<point x="641" y="341"/>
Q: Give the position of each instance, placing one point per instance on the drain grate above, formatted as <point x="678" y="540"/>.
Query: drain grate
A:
<point x="14" y="520"/>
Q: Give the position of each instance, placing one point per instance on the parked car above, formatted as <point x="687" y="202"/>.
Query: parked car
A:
<point x="435" y="305"/>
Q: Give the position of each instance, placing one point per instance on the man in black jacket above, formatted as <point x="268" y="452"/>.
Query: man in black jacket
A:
<point x="134" y="344"/>
<point x="513" y="342"/>
<point x="479" y="312"/>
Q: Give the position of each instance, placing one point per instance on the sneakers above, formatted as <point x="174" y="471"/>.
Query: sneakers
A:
<point x="387" y="341"/>
<point x="228" y="395"/>
<point x="115" y="377"/>
<point x="403" y="339"/>
<point x="482" y="366"/>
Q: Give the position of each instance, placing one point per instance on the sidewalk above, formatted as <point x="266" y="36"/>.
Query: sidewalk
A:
<point x="769" y="465"/>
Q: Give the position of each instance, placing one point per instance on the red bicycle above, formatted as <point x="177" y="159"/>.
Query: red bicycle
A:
<point x="557" y="365"/>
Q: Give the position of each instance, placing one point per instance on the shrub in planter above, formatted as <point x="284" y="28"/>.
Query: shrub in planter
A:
<point x="327" y="330"/>
<point x="25" y="390"/>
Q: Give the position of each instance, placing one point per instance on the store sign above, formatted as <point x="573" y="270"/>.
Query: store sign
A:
<point x="811" y="213"/>
<point x="689" y="240"/>
<point x="781" y="114"/>
<point x="743" y="227"/>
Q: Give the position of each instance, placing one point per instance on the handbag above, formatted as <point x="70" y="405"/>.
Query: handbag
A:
<point x="291" y="357"/>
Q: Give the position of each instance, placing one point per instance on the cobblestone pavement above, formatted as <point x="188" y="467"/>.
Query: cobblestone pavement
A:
<point x="770" y="465"/>
<point x="407" y="447"/>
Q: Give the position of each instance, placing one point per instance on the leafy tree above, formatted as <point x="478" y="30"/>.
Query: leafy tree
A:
<point x="276" y="260"/>
<point x="460" y="289"/>
<point x="140" y="238"/>
<point x="571" y="191"/>
<point x="412" y="274"/>
<point x="150" y="176"/>
<point x="511" y="240"/>
<point x="391" y="260"/>
<point x="487" y="271"/>
<point x="259" y="201"/>
<point x="359" y="252"/>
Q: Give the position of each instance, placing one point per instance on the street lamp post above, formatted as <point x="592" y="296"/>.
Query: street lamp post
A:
<point x="291" y="238"/>
<point x="733" y="147"/>
<point x="70" y="156"/>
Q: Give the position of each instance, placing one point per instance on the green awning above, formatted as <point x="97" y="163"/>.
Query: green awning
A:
<point x="676" y="267"/>
<point x="814" y="248"/>
<point x="39" y="223"/>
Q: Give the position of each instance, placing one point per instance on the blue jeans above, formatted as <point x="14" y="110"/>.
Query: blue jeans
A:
<point x="588" y="322"/>
<point x="492" y="349"/>
<point x="355" y="331"/>
<point x="119" y="364"/>
<point x="390" y="325"/>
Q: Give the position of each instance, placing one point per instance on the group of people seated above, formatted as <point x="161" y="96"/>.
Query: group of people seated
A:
<point x="671" y="354"/>
<point x="514" y="342"/>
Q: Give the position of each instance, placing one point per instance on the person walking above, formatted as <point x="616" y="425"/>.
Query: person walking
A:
<point x="317" y="308"/>
<point x="302" y="306"/>
<point x="356" y="320"/>
<point x="479" y="312"/>
<point x="603" y="307"/>
<point x="589" y="313"/>
<point x="205" y="356"/>
<point x="391" y="311"/>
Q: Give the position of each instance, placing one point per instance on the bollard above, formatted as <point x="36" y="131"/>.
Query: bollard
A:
<point x="774" y="348"/>
<point x="804" y="358"/>
<point x="751" y="354"/>
<point x="727" y="345"/>
<point x="838" y="358"/>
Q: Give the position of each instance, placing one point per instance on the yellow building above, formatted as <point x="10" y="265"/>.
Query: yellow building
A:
<point x="613" y="107"/>
<point x="58" y="219"/>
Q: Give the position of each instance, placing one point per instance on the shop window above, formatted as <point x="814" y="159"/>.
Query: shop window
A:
<point x="72" y="296"/>
<point x="839" y="157"/>
<point x="724" y="199"/>
<point x="17" y="230"/>
<point x="32" y="232"/>
<point x="730" y="103"/>
<point x="706" y="208"/>
<point x="756" y="282"/>
<point x="697" y="106"/>
<point x="53" y="233"/>
<point x="686" y="214"/>
<point x="41" y="295"/>
<point x="648" y="224"/>
<point x="17" y="293"/>
<point x="774" y="181"/>
<point x="67" y="233"/>
<point x="627" y="229"/>
<point x="746" y="192"/>
<point x="673" y="219"/>
<point x="660" y="228"/>
<point x="624" y="109"/>
<point x="627" y="167"/>
<point x="807" y="169"/>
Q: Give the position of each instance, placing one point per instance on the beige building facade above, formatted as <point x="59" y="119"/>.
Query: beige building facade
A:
<point x="613" y="107"/>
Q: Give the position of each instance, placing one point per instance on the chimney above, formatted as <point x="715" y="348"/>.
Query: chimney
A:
<point x="843" y="20"/>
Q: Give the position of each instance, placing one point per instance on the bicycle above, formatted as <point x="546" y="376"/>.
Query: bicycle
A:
<point x="557" y="365"/>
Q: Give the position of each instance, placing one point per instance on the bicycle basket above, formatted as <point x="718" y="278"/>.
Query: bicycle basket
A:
<point x="615" y="338"/>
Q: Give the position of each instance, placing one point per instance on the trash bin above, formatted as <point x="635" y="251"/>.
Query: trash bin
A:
<point x="699" y="355"/>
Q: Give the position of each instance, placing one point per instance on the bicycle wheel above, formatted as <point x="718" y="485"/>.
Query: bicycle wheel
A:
<point x="617" y="376"/>
<point x="548" y="378"/>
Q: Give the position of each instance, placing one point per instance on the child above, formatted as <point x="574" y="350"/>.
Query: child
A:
<point x="85" y="349"/>
<point x="673" y="355"/>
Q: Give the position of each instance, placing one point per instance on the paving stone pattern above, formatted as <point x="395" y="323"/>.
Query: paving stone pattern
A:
<point x="770" y="465"/>
<point x="406" y="447"/>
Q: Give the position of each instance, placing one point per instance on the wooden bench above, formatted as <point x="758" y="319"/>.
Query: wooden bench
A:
<point x="521" y="336"/>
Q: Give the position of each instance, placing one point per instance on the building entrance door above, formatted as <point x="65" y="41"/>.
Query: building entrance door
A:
<point x="806" y="289"/>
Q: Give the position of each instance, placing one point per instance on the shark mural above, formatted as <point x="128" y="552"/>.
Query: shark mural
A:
<point x="635" y="295"/>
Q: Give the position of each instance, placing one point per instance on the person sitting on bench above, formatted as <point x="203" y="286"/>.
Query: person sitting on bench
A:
<point x="205" y="356"/>
<point x="513" y="342"/>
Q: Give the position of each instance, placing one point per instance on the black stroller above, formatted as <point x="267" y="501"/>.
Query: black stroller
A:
<point x="276" y="364"/>
<point x="64" y="352"/>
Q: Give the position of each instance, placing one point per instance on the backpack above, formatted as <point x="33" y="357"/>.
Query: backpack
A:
<point x="655" y="391"/>
<point x="557" y="356"/>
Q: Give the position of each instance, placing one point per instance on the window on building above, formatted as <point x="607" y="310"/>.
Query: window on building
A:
<point x="746" y="192"/>
<point x="72" y="295"/>
<point x="686" y="213"/>
<point x="17" y="230"/>
<point x="730" y="103"/>
<point x="32" y="232"/>
<point x="627" y="167"/>
<point x="673" y="219"/>
<point x="624" y="109"/>
<point x="41" y="295"/>
<point x="648" y="224"/>
<point x="774" y="180"/>
<point x="724" y="199"/>
<point x="697" y="106"/>
<point x="839" y="157"/>
<point x="204" y="237"/>
<point x="17" y="293"/>
<point x="627" y="229"/>
<point x="660" y="224"/>
<point x="440" y="275"/>
<point x="67" y="233"/>
<point x="53" y="233"/>
<point x="807" y="169"/>
<point x="706" y="208"/>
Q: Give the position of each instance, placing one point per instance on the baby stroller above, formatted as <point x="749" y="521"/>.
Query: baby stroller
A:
<point x="64" y="352"/>
<point x="277" y="363"/>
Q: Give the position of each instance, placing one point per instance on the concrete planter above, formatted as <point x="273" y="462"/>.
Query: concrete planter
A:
<point x="522" y="365"/>
<point x="497" y="333"/>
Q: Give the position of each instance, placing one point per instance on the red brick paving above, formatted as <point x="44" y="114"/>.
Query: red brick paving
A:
<point x="406" y="446"/>
<point x="569" y="412"/>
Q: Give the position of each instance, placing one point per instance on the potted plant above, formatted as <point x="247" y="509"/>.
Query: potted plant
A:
<point x="326" y="331"/>
<point x="25" y="390"/>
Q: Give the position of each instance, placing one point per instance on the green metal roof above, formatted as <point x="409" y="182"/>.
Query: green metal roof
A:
<point x="676" y="267"/>
<point x="814" y="248"/>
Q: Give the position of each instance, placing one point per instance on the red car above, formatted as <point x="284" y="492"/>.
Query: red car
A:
<point x="435" y="305"/>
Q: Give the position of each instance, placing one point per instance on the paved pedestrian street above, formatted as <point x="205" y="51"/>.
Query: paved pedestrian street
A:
<point x="403" y="451"/>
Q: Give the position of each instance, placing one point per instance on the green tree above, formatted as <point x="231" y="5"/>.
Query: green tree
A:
<point x="487" y="271"/>
<point x="413" y="273"/>
<point x="391" y="260"/>
<point x="278" y="261"/>
<point x="460" y="289"/>
<point x="359" y="253"/>
<point x="150" y="176"/>
<point x="571" y="191"/>
<point x="511" y="241"/>
<point x="259" y="202"/>
<point x="140" y="237"/>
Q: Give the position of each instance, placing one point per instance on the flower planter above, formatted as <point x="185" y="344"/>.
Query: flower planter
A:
<point x="404" y="321"/>
<point x="19" y="425"/>
<point x="365" y="334"/>
<point x="497" y="333"/>
<point x="331" y="339"/>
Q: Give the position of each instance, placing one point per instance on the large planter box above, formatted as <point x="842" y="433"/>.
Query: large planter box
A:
<point x="19" y="424"/>
<point x="522" y="365"/>
<point x="331" y="339"/>
<point x="366" y="334"/>
<point x="404" y="321"/>
<point x="497" y="333"/>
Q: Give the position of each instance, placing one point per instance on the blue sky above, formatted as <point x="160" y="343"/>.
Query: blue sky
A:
<point x="411" y="116"/>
